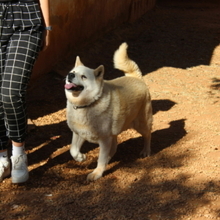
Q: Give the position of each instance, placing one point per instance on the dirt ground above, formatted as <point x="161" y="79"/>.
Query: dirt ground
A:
<point x="177" y="48"/>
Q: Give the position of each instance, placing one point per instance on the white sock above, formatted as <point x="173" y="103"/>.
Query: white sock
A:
<point x="17" y="150"/>
<point x="4" y="155"/>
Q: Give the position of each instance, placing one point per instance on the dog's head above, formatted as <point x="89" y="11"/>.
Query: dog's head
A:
<point x="84" y="85"/>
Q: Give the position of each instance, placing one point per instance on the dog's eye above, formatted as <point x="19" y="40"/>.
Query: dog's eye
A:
<point x="83" y="77"/>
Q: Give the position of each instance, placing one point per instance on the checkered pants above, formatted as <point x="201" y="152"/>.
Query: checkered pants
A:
<point x="20" y="40"/>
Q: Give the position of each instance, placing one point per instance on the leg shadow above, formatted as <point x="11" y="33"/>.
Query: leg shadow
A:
<point x="164" y="138"/>
<point x="162" y="105"/>
<point x="129" y="150"/>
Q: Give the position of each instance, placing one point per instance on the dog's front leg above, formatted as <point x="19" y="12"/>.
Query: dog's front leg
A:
<point x="104" y="157"/>
<point x="75" y="147"/>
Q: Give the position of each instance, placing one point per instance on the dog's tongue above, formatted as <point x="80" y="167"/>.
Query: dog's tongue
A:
<point x="69" y="86"/>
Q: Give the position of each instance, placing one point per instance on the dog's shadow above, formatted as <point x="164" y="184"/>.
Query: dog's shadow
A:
<point x="162" y="105"/>
<point x="129" y="150"/>
<point x="161" y="139"/>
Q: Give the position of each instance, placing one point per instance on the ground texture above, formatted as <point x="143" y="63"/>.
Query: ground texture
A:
<point x="177" y="48"/>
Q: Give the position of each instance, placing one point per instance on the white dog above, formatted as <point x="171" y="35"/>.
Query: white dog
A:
<point x="99" y="110"/>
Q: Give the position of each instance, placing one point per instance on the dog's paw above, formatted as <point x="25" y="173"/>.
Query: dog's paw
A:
<point x="144" y="154"/>
<point x="96" y="174"/>
<point x="79" y="157"/>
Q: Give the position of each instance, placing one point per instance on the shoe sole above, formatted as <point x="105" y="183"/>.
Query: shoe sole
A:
<point x="20" y="180"/>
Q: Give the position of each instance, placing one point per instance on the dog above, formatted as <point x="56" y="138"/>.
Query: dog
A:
<point x="98" y="110"/>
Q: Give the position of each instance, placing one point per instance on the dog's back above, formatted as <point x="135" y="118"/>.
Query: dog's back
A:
<point x="124" y="63"/>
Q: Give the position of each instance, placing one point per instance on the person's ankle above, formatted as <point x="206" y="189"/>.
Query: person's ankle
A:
<point x="18" y="150"/>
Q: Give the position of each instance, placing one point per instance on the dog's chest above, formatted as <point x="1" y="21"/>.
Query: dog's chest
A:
<point x="86" y="123"/>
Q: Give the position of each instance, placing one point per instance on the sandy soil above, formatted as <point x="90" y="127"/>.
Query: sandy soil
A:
<point x="177" y="47"/>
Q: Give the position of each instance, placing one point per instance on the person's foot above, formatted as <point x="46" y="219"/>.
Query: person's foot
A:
<point x="4" y="168"/>
<point x="19" y="172"/>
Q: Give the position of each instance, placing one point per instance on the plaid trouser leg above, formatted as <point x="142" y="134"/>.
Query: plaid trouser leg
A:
<point x="20" y="39"/>
<point x="19" y="59"/>
<point x="3" y="134"/>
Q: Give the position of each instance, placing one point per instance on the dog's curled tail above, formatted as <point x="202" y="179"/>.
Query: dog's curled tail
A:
<point x="124" y="63"/>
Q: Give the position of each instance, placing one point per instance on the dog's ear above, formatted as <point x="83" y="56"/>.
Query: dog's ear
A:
<point x="99" y="72"/>
<point x="78" y="62"/>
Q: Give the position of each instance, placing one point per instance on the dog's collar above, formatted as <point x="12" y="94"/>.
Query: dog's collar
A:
<point x="84" y="106"/>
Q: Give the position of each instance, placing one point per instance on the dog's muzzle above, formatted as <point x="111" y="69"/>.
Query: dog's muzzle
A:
<point x="72" y="86"/>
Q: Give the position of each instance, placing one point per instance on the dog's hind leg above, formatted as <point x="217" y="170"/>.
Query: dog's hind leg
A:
<point x="114" y="147"/>
<point x="144" y="126"/>
<point x="75" y="147"/>
<point x="147" y="145"/>
<point x="107" y="149"/>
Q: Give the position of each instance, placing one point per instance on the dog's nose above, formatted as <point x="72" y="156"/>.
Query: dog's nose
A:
<point x="71" y="76"/>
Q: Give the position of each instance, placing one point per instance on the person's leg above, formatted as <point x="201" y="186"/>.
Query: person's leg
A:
<point x="22" y="52"/>
<point x="4" y="161"/>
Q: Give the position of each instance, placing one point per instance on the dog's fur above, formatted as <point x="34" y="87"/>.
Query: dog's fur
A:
<point x="99" y="110"/>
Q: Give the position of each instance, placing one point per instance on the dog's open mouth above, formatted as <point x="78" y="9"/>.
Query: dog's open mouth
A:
<point x="73" y="87"/>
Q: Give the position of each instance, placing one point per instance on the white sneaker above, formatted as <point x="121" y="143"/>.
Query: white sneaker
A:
<point x="4" y="168"/>
<point x="19" y="172"/>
